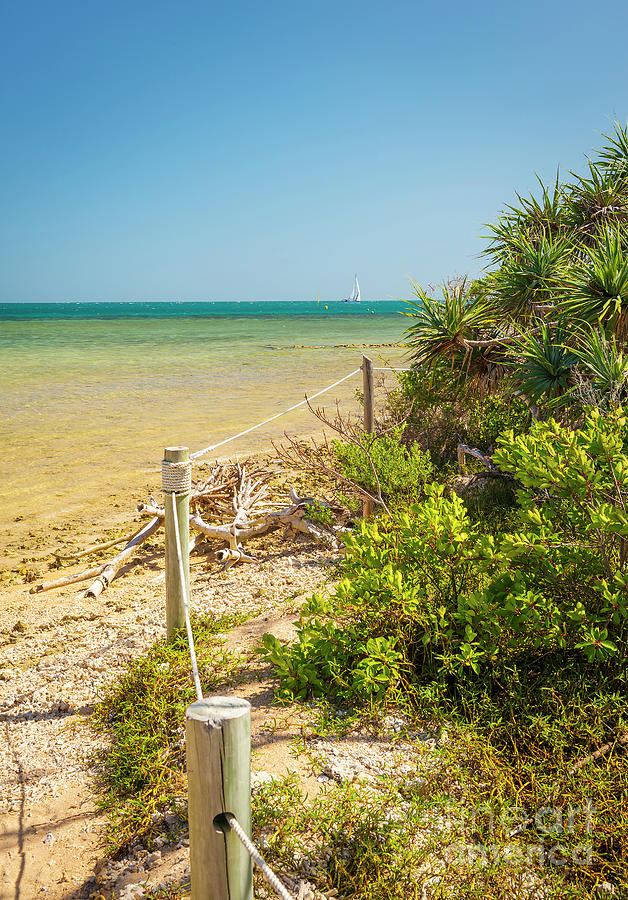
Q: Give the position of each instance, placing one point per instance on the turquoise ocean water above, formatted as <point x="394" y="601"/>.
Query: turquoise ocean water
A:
<point x="90" y="393"/>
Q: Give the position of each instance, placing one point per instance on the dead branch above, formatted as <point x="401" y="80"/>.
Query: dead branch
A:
<point x="485" y="458"/>
<point x="95" y="548"/>
<point x="67" y="579"/>
<point x="111" y="569"/>
<point x="101" y="571"/>
<point x="240" y="504"/>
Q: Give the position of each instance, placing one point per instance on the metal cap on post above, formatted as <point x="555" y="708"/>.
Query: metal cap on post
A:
<point x="218" y="747"/>
<point x="176" y="478"/>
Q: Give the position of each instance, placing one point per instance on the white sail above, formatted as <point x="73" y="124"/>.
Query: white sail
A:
<point x="355" y="294"/>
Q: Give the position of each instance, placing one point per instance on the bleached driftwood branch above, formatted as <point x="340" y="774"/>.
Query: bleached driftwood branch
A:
<point x="105" y="572"/>
<point x="228" y="493"/>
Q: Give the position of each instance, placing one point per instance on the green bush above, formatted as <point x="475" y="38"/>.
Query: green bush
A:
<point x="439" y="418"/>
<point x="402" y="471"/>
<point x="426" y="595"/>
<point x="491" y="416"/>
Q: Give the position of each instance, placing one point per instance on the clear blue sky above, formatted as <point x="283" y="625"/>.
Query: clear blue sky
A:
<point x="267" y="150"/>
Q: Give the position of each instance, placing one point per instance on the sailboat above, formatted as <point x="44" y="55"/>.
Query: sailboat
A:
<point x="355" y="294"/>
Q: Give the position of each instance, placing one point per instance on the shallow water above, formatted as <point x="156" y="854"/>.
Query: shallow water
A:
<point x="87" y="405"/>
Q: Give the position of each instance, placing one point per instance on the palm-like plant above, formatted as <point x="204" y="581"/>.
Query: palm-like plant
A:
<point x="597" y="287"/>
<point x="442" y="327"/>
<point x="543" y="365"/>
<point x="605" y="368"/>
<point x="613" y="158"/>
<point x="532" y="220"/>
<point x="531" y="277"/>
<point x="562" y="255"/>
<point x="595" y="203"/>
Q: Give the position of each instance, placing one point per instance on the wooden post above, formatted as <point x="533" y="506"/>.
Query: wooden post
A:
<point x="218" y="742"/>
<point x="462" y="465"/>
<point x="175" y="611"/>
<point x="367" y="389"/>
<point x="369" y="425"/>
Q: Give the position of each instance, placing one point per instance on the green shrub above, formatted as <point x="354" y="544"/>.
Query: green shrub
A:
<point x="491" y="416"/>
<point x="402" y="471"/>
<point x="144" y="714"/>
<point x="426" y="596"/>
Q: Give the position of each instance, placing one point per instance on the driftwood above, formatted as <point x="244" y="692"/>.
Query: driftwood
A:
<point x="485" y="458"/>
<point x="290" y="517"/>
<point x="95" y="548"/>
<point x="230" y="505"/>
<point x="68" y="579"/>
<point x="111" y="569"/>
<point x="106" y="571"/>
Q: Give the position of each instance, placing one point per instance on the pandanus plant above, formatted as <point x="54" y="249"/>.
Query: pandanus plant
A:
<point x="528" y="281"/>
<point x="561" y="261"/>
<point x="543" y="365"/>
<point x="595" y="203"/>
<point x="597" y="286"/>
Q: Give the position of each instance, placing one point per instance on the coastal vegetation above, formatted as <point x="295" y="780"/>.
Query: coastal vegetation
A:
<point x="505" y="609"/>
<point x="492" y="606"/>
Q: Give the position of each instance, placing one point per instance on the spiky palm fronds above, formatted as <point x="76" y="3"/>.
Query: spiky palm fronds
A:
<point x="543" y="365"/>
<point x="529" y="280"/>
<point x="613" y="158"/>
<point x="605" y="368"/>
<point x="597" y="287"/>
<point x="441" y="327"/>
<point x="595" y="203"/>
<point x="532" y="220"/>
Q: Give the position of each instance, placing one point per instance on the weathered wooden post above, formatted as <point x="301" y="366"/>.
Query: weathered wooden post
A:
<point x="462" y="463"/>
<point x="218" y="742"/>
<point x="176" y="476"/>
<point x="369" y="424"/>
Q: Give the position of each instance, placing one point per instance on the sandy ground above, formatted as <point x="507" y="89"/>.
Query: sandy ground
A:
<point x="59" y="651"/>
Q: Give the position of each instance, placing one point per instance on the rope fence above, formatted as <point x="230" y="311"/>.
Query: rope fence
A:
<point x="257" y="858"/>
<point x="218" y="729"/>
<point x="272" y="418"/>
<point x="186" y="601"/>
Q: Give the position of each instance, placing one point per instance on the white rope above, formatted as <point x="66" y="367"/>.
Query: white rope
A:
<point x="389" y="369"/>
<point x="272" y="418"/>
<point x="176" y="476"/>
<point x="186" y="606"/>
<point x="257" y="858"/>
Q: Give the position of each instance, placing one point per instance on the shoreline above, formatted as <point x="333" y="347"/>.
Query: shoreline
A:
<point x="81" y="473"/>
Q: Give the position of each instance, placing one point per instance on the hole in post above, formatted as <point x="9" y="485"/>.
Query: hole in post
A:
<point x="221" y="824"/>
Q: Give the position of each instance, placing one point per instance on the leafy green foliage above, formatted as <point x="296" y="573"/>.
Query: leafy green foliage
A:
<point x="607" y="368"/>
<point x="320" y="514"/>
<point x="427" y="593"/>
<point x="492" y="415"/>
<point x="560" y="262"/>
<point x="402" y="471"/>
<point x="145" y="713"/>
<point x="439" y="326"/>
<point x="354" y="841"/>
<point x="521" y="633"/>
<point x="531" y="275"/>
<point x="598" y="284"/>
<point x="543" y="365"/>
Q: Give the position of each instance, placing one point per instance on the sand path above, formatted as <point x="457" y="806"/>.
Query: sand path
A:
<point x="58" y="653"/>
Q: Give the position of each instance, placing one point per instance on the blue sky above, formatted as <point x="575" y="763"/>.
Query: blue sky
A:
<point x="267" y="150"/>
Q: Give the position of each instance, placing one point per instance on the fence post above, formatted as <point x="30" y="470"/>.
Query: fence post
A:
<point x="176" y="479"/>
<point x="369" y="425"/>
<point x="218" y="742"/>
